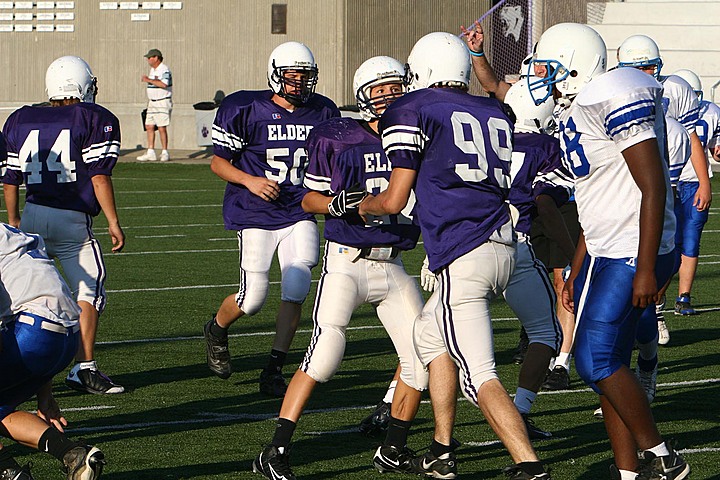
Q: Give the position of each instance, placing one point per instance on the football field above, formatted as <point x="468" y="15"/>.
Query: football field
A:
<point x="179" y="422"/>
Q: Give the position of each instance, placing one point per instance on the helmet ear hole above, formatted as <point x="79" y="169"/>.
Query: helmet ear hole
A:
<point x="573" y="73"/>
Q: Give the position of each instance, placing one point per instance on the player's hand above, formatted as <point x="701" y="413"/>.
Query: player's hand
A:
<point x="474" y="37"/>
<point x="567" y="294"/>
<point x="703" y="198"/>
<point x="264" y="188"/>
<point x="145" y="79"/>
<point x="49" y="411"/>
<point x="645" y="291"/>
<point x="117" y="236"/>
<point x="347" y="201"/>
<point x="428" y="280"/>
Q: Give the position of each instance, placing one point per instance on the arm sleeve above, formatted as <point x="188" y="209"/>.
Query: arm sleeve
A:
<point x="226" y="131"/>
<point x="402" y="137"/>
<point x="318" y="175"/>
<point x="12" y="172"/>
<point x="630" y="119"/>
<point x="100" y="152"/>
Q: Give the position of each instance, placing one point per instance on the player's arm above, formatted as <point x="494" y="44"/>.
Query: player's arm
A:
<point x="703" y="197"/>
<point x="346" y="201"/>
<point x="157" y="82"/>
<point x="103" y="187"/>
<point x="645" y="165"/>
<point x="393" y="199"/>
<point x="12" y="203"/>
<point x="261" y="186"/>
<point x="48" y="408"/>
<point x="554" y="224"/>
<point x="474" y="38"/>
<point x="577" y="261"/>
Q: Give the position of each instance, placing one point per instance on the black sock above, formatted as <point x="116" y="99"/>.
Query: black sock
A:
<point x="438" y="449"/>
<point x="397" y="432"/>
<point x="217" y="330"/>
<point x="276" y="362"/>
<point x="532" y="468"/>
<point x="284" y="430"/>
<point x="56" y="443"/>
<point x="7" y="460"/>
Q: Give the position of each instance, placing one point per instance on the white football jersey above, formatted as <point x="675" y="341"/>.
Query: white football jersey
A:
<point x="708" y="130"/>
<point x="680" y="101"/>
<point x="613" y="112"/>
<point x="29" y="281"/>
<point x="678" y="142"/>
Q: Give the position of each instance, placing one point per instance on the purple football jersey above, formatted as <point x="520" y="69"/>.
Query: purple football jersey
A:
<point x="342" y="153"/>
<point x="263" y="139"/>
<point x="460" y="146"/>
<point x="3" y="155"/>
<point x="537" y="170"/>
<point x="56" y="151"/>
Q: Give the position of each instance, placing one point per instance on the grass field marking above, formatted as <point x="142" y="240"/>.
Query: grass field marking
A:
<point x="159" y="252"/>
<point x="134" y="227"/>
<point x="161" y="236"/>
<point x="150" y="207"/>
<point x="145" y="179"/>
<point x="90" y="408"/>
<point x="169" y="191"/>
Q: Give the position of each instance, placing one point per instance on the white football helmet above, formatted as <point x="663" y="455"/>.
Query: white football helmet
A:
<point x="640" y="51"/>
<point x="572" y="54"/>
<point x="694" y="81"/>
<point x="373" y="72"/>
<point x="296" y="57"/>
<point x="70" y="77"/>
<point x="530" y="118"/>
<point x="438" y="58"/>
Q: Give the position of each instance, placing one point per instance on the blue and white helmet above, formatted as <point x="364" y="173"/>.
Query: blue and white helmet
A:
<point x="70" y="77"/>
<point x="640" y="51"/>
<point x="572" y="54"/>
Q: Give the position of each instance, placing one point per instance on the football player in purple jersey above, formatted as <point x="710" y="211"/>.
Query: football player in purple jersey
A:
<point x="454" y="149"/>
<point x="38" y="338"/>
<point x="259" y="144"/>
<point x="65" y="155"/>
<point x="362" y="261"/>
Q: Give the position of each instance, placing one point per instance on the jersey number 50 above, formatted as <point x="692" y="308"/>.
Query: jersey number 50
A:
<point x="58" y="158"/>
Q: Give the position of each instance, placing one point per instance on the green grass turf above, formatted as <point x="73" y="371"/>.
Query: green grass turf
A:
<point x="179" y="422"/>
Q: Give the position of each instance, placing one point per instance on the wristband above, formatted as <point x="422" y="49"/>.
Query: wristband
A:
<point x="476" y="54"/>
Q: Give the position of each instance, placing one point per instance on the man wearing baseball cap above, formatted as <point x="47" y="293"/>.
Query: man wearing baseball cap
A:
<point x="159" y="92"/>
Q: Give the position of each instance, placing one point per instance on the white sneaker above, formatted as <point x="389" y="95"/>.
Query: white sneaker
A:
<point x="164" y="156"/>
<point x="663" y="333"/>
<point x="149" y="156"/>
<point x="648" y="381"/>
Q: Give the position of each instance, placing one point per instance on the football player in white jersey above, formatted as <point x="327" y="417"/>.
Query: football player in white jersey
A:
<point x="65" y="156"/>
<point x="612" y="136"/>
<point x="38" y="339"/>
<point x="259" y="145"/>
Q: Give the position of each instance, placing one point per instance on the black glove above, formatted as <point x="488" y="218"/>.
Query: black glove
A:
<point x="347" y="201"/>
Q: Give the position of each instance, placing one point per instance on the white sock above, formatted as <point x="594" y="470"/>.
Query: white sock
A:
<point x="564" y="360"/>
<point x="659" y="450"/>
<point x="390" y="392"/>
<point x="524" y="399"/>
<point x="552" y="363"/>
<point x="627" y="475"/>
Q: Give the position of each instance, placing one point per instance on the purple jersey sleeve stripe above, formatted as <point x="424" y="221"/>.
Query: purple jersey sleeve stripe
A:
<point x="224" y="139"/>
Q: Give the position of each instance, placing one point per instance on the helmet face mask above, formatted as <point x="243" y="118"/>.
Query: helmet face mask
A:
<point x="376" y="72"/>
<point x="438" y="59"/>
<point x="641" y="52"/>
<point x="292" y="72"/>
<point x="70" y="77"/>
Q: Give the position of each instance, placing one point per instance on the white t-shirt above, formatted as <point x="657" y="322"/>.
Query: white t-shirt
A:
<point x="162" y="73"/>
<point x="613" y="112"/>
<point x="29" y="281"/>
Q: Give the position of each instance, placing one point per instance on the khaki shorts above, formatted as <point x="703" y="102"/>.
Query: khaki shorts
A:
<point x="158" y="112"/>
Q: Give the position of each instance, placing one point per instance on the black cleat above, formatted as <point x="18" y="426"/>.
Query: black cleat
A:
<point x="668" y="467"/>
<point x="392" y="459"/>
<point x="273" y="463"/>
<point x="377" y="422"/>
<point x="534" y="432"/>
<point x="218" y="354"/>
<point x="272" y="384"/>
<point x="92" y="380"/>
<point x="515" y="472"/>
<point x="444" y="466"/>
<point x="522" y="348"/>
<point x="557" y="379"/>
<point x="17" y="473"/>
<point x="84" y="463"/>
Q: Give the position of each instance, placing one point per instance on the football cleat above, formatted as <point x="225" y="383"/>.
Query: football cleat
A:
<point x="444" y="466"/>
<point x="392" y="459"/>
<point x="17" y="473"/>
<point x="598" y="413"/>
<point x="648" y="381"/>
<point x="522" y="348"/>
<point x="377" y="422"/>
<point x="668" y="467"/>
<point x="272" y="384"/>
<point x="515" y="472"/>
<point x="91" y="380"/>
<point x="534" y="432"/>
<point x="663" y="332"/>
<point x="683" y="306"/>
<point x="218" y="354"/>
<point x="149" y="156"/>
<point x="557" y="379"/>
<point x="273" y="463"/>
<point x="84" y="463"/>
